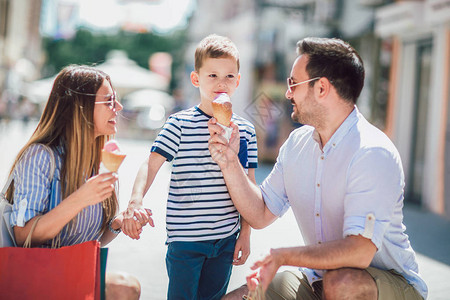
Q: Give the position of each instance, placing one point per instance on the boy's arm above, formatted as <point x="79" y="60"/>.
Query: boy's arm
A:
<point x="144" y="179"/>
<point x="243" y="241"/>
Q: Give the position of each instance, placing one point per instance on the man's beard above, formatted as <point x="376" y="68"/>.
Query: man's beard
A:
<point x="314" y="113"/>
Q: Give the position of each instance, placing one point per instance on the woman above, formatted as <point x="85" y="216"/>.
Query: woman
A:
<point x="76" y="204"/>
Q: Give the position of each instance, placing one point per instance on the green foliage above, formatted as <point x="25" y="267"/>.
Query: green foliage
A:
<point x="87" y="47"/>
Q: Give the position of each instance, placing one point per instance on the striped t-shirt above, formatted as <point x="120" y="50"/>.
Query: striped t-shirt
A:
<point x="199" y="206"/>
<point x="36" y="194"/>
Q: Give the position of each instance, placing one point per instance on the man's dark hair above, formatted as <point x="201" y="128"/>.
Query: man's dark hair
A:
<point x="337" y="61"/>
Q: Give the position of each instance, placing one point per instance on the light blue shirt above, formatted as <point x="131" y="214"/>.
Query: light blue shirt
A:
<point x="35" y="194"/>
<point x="351" y="186"/>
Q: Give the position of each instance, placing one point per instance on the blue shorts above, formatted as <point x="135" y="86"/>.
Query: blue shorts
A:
<point x="199" y="270"/>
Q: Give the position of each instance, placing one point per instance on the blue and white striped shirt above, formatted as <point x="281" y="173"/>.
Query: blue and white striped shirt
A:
<point x="199" y="206"/>
<point x="37" y="194"/>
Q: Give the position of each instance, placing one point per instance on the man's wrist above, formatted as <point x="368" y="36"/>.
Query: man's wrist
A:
<point x="231" y="164"/>
<point x="278" y="256"/>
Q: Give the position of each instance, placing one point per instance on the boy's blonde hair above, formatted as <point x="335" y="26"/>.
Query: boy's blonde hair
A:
<point x="215" y="46"/>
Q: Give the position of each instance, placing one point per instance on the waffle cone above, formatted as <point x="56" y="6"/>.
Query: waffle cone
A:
<point x="222" y="112"/>
<point x="112" y="161"/>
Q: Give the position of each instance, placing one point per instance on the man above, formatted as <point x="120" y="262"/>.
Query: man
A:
<point x="343" y="179"/>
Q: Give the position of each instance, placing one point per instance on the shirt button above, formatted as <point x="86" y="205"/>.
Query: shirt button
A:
<point x="321" y="157"/>
<point x="318" y="185"/>
<point x="317" y="214"/>
<point x="319" y="242"/>
<point x="314" y="278"/>
<point x="334" y="144"/>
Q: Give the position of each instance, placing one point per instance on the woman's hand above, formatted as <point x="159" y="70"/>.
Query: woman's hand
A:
<point x="136" y="217"/>
<point x="96" y="189"/>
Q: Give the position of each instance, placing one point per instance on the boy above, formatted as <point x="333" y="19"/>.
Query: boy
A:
<point x="202" y="223"/>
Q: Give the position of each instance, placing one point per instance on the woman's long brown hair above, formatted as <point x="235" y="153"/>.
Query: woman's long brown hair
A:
<point x="68" y="118"/>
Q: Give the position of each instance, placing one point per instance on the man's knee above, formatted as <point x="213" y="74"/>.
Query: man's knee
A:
<point x="348" y="283"/>
<point x="284" y="285"/>
<point x="122" y="286"/>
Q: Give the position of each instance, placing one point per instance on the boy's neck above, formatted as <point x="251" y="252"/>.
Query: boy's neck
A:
<point x="206" y="107"/>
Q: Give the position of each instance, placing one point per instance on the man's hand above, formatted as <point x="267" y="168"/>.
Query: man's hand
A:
<point x="268" y="267"/>
<point x="222" y="152"/>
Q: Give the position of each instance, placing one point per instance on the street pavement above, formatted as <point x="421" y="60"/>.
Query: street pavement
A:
<point x="145" y="258"/>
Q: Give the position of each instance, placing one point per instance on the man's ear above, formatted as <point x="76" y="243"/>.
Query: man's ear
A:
<point x="322" y="88"/>
<point x="194" y="79"/>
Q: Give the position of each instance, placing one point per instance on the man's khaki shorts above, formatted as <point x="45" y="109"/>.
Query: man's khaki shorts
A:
<point x="294" y="285"/>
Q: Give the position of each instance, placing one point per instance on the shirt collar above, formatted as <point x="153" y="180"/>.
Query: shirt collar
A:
<point x="340" y="133"/>
<point x="202" y="112"/>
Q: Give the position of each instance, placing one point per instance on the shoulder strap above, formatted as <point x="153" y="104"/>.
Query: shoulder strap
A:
<point x="52" y="171"/>
<point x="27" y="243"/>
<point x="8" y="183"/>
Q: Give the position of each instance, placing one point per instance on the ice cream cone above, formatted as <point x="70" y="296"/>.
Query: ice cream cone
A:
<point x="222" y="109"/>
<point x="112" y="161"/>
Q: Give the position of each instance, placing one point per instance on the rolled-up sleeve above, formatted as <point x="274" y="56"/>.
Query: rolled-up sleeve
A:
<point x="32" y="185"/>
<point x="273" y="188"/>
<point x="375" y="187"/>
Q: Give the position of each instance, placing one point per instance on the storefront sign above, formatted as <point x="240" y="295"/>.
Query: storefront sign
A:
<point x="398" y="18"/>
<point x="437" y="11"/>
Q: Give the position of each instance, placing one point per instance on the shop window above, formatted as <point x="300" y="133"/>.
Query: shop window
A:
<point x="420" y="120"/>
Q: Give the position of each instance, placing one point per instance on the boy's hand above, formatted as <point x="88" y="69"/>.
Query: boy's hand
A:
<point x="243" y="248"/>
<point x="135" y="218"/>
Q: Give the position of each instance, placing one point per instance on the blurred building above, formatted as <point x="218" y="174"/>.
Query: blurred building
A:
<point x="235" y="19"/>
<point x="266" y="33"/>
<point x="20" y="42"/>
<point x="417" y="36"/>
<point x="21" y="56"/>
<point x="405" y="46"/>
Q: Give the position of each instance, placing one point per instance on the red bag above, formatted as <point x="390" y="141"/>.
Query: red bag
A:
<point x="71" y="272"/>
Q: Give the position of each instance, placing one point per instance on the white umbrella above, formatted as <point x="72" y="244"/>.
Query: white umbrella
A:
<point x="153" y="107"/>
<point x="127" y="76"/>
<point x="146" y="98"/>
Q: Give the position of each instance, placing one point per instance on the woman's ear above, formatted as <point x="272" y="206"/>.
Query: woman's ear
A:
<point x="194" y="79"/>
